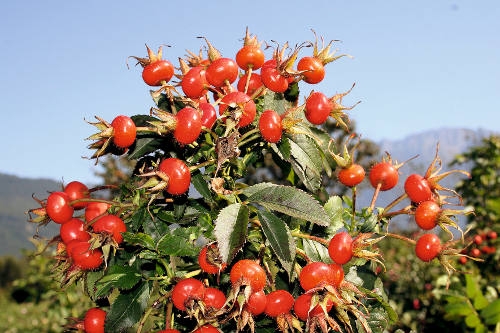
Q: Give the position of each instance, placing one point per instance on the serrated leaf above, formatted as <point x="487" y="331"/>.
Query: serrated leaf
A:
<point x="230" y="230"/>
<point x="178" y="244"/>
<point x="276" y="102"/>
<point x="288" y="200"/>
<point x="316" y="251"/>
<point x="127" y="309"/>
<point x="280" y="239"/>
<point x="335" y="211"/>
<point x="121" y="277"/>
<point x="307" y="161"/>
<point x="139" y="239"/>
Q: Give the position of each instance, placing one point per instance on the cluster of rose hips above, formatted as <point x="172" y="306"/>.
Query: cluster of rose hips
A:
<point x="215" y="92"/>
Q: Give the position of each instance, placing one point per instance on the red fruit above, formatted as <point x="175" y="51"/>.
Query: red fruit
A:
<point x="157" y="72"/>
<point x="385" y="174"/>
<point x="278" y="302"/>
<point x="248" y="272"/>
<point x="250" y="57"/>
<point x="270" y="126"/>
<point x="112" y="225"/>
<point x="124" y="131"/>
<point x="241" y="102"/>
<point x="83" y="256"/>
<point x="194" y="83"/>
<point x="462" y="260"/>
<point x="303" y="308"/>
<point x="428" y="247"/>
<point x="221" y="72"/>
<point x="273" y="80"/>
<point x="492" y="234"/>
<point x="417" y="188"/>
<point x="186" y="291"/>
<point x="478" y="239"/>
<point x="316" y="275"/>
<point x="94" y="320"/>
<point x="254" y="83"/>
<point x="209" y="261"/>
<point x="72" y="230"/>
<point x="208" y="115"/>
<point x="475" y="252"/>
<point x="337" y="275"/>
<point x="179" y="176"/>
<point x="351" y="175"/>
<point x="314" y="69"/>
<point x="340" y="248"/>
<point x="188" y="126"/>
<point x="95" y="209"/>
<point x="427" y="214"/>
<point x="58" y="208"/>
<point x="318" y="108"/>
<point x="214" y="298"/>
<point x="77" y="190"/>
<point x="257" y="302"/>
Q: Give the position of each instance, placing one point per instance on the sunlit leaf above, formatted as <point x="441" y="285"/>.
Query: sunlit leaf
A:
<point x="288" y="200"/>
<point x="230" y="230"/>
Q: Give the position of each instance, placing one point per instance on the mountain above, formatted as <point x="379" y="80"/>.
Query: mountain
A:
<point x="15" y="200"/>
<point x="16" y="193"/>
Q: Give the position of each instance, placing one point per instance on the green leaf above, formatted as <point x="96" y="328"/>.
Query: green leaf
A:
<point x="276" y="102"/>
<point x="287" y="200"/>
<point x="471" y="286"/>
<point x="144" y="146"/>
<point x="306" y="161"/>
<point x="201" y="185"/>
<point x="231" y="228"/>
<point x="472" y="320"/>
<point x="139" y="239"/>
<point x="280" y="239"/>
<point x="335" y="211"/>
<point x="458" y="309"/>
<point x="392" y="315"/>
<point x="491" y="313"/>
<point x="121" y="277"/>
<point x="127" y="309"/>
<point x="178" y="243"/>
<point x="316" y="251"/>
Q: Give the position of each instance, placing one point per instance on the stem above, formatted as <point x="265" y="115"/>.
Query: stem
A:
<point x="395" y="202"/>
<point x="375" y="196"/>
<point x="353" y="213"/>
<point x="256" y="136"/>
<point x="201" y="165"/>
<point x="401" y="237"/>
<point x="310" y="237"/>
<point x="247" y="134"/>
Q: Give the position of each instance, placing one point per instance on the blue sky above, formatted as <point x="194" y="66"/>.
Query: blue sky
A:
<point x="417" y="65"/>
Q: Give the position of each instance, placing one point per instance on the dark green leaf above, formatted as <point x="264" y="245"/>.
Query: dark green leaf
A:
<point x="280" y="239"/>
<point x="307" y="161"/>
<point x="127" y="309"/>
<point x="121" y="277"/>
<point x="178" y="243"/>
<point x="139" y="239"/>
<point x="491" y="313"/>
<point x="391" y="314"/>
<point x="231" y="228"/>
<point x="201" y="185"/>
<point x="288" y="200"/>
<point x="143" y="146"/>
